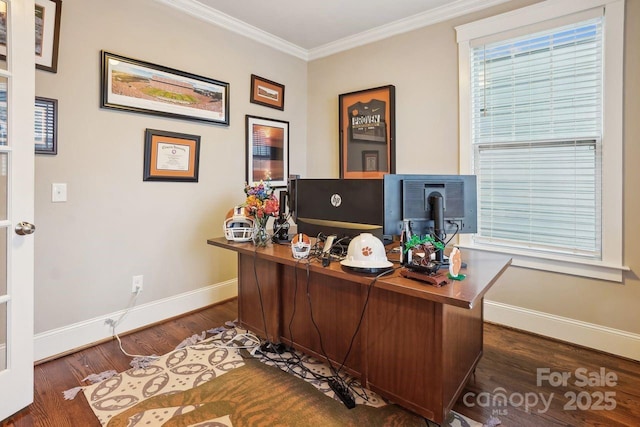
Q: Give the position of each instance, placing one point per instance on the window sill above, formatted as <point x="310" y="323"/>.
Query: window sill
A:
<point x="563" y="265"/>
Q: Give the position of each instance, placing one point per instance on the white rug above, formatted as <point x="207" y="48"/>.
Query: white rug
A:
<point x="188" y="367"/>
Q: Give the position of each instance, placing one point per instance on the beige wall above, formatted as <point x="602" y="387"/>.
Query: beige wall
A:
<point x="423" y="66"/>
<point x="115" y="225"/>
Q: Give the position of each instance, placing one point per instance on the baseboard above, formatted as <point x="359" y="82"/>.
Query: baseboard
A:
<point x="62" y="340"/>
<point x="602" y="338"/>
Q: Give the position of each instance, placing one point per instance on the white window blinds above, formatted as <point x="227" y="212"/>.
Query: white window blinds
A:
<point x="536" y="125"/>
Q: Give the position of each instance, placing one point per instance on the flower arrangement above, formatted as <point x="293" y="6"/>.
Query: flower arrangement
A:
<point x="261" y="204"/>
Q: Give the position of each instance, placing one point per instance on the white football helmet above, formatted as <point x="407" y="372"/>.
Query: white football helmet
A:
<point x="238" y="226"/>
<point x="300" y="246"/>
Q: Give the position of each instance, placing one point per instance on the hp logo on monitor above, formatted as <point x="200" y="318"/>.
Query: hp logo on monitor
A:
<point x="336" y="200"/>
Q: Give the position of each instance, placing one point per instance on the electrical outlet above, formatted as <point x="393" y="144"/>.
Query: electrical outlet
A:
<point x="136" y="284"/>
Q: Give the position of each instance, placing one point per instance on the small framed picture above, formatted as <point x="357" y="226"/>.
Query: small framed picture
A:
<point x="46" y="125"/>
<point x="171" y="156"/>
<point x="370" y="162"/>
<point x="267" y="93"/>
<point x="267" y="150"/>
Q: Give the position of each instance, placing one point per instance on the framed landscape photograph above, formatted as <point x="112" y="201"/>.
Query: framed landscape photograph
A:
<point x="267" y="151"/>
<point x="171" y="156"/>
<point x="267" y="93"/>
<point x="46" y="125"/>
<point x="47" y="33"/>
<point x="142" y="87"/>
<point x="367" y="133"/>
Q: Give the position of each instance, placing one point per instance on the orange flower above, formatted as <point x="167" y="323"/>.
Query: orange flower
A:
<point x="261" y="201"/>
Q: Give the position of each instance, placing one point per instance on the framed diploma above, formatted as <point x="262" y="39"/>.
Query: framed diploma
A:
<point x="170" y="156"/>
<point x="367" y="133"/>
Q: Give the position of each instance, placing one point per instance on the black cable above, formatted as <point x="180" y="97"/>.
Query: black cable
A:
<point x="455" y="233"/>
<point x="255" y="273"/>
<point x="295" y="297"/>
<point x="362" y="313"/>
<point x="297" y="361"/>
<point x="324" y="353"/>
<point x="335" y="372"/>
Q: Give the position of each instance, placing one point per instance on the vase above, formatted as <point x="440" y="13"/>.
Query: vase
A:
<point x="260" y="236"/>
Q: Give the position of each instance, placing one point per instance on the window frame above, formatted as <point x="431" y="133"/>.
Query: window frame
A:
<point x="610" y="267"/>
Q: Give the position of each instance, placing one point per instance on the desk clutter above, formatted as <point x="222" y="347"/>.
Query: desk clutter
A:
<point x="423" y="260"/>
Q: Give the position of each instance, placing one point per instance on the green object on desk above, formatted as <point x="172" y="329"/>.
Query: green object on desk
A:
<point x="458" y="277"/>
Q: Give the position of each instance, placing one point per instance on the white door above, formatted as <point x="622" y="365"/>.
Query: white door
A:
<point x="17" y="97"/>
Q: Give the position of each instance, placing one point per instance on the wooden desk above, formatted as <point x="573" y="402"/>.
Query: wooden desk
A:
<point x="417" y="344"/>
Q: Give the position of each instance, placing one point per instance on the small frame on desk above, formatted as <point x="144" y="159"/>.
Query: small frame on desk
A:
<point x="267" y="93"/>
<point x="267" y="156"/>
<point x="46" y="126"/>
<point x="367" y="133"/>
<point x="171" y="156"/>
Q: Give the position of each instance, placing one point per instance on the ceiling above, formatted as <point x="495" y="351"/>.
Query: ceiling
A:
<point x="313" y="29"/>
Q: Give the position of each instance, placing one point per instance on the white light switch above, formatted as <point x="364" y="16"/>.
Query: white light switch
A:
<point x="58" y="192"/>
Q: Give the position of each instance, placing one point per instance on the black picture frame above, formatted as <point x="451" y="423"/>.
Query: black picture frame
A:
<point x="47" y="33"/>
<point x="171" y="156"/>
<point x="367" y="127"/>
<point x="267" y="150"/>
<point x="46" y="126"/>
<point x="142" y="87"/>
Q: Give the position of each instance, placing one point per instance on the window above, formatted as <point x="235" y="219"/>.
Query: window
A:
<point x="534" y="85"/>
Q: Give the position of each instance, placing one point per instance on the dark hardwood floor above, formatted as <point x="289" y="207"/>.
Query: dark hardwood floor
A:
<point x="600" y="390"/>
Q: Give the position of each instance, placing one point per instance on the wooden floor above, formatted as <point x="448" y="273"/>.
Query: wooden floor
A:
<point x="505" y="384"/>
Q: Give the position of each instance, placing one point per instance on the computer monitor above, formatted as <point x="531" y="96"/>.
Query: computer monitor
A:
<point x="437" y="205"/>
<point x="343" y="207"/>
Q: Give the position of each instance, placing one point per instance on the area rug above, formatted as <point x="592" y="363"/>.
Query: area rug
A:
<point x="217" y="382"/>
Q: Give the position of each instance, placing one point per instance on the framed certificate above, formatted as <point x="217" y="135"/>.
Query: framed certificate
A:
<point x="170" y="156"/>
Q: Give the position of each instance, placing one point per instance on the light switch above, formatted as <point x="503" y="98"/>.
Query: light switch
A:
<point x="58" y="192"/>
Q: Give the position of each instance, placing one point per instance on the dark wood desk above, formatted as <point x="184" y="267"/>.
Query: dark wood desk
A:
<point x="417" y="344"/>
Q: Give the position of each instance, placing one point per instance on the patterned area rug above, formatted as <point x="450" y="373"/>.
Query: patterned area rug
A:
<point x="214" y="383"/>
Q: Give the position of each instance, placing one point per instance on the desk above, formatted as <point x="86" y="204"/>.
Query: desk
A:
<point x="417" y="344"/>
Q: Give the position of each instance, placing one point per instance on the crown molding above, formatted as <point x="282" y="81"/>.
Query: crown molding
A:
<point x="430" y="17"/>
<point x="213" y="16"/>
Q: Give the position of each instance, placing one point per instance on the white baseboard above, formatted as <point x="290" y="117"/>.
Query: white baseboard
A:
<point x="609" y="340"/>
<point x="81" y="334"/>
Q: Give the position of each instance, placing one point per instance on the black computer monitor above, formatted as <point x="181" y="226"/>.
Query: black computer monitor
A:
<point x="342" y="207"/>
<point x="439" y="205"/>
